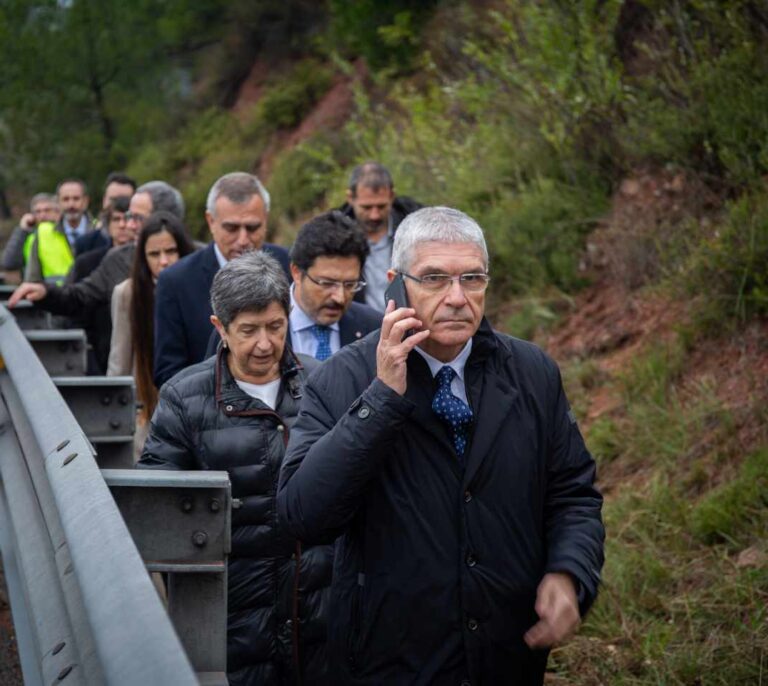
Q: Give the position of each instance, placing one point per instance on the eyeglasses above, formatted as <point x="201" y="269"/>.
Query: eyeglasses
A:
<point x="436" y="283"/>
<point x="136" y="217"/>
<point x="330" y="285"/>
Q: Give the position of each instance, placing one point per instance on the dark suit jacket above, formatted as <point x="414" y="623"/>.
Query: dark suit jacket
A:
<point x="358" y="321"/>
<point x="183" y="310"/>
<point x="92" y="240"/>
<point x="97" y="320"/>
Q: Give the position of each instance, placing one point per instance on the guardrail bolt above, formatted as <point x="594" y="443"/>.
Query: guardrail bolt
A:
<point x="215" y="505"/>
<point x="187" y="505"/>
<point x="114" y="424"/>
<point x="106" y="399"/>
<point x="58" y="648"/>
<point x="62" y="445"/>
<point x="199" y="539"/>
<point x="68" y="459"/>
<point x="64" y="672"/>
<point x="122" y="399"/>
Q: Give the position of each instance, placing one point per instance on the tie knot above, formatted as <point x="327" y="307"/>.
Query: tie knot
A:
<point x="445" y="375"/>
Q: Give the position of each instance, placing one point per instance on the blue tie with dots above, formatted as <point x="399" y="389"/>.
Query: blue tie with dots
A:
<point x="322" y="335"/>
<point x="456" y="414"/>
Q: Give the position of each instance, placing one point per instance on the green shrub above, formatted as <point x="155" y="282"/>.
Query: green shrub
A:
<point x="290" y="98"/>
<point x="730" y="267"/>
<point x="737" y="512"/>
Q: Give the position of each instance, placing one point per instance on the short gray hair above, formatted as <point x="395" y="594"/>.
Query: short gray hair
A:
<point x="37" y="198"/>
<point x="435" y="224"/>
<point x="373" y="175"/>
<point x="249" y="283"/>
<point x="165" y="198"/>
<point x="238" y="187"/>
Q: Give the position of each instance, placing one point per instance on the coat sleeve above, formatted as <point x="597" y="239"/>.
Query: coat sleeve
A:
<point x="170" y="443"/>
<point x="73" y="299"/>
<point x="121" y="345"/>
<point x="171" y="345"/>
<point x="333" y="453"/>
<point x="13" y="255"/>
<point x="573" y="521"/>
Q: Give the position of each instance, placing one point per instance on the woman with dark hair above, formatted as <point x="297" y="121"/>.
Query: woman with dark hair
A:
<point x="234" y="411"/>
<point x="162" y="241"/>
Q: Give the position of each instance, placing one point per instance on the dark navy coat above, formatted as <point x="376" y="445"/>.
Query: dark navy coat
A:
<point x="183" y="309"/>
<point x="436" y="568"/>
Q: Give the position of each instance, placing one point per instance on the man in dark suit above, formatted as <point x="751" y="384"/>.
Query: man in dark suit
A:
<point x="327" y="260"/>
<point x="236" y="212"/>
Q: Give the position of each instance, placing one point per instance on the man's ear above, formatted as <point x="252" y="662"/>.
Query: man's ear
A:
<point x="295" y="273"/>
<point x="209" y="221"/>
<point x="350" y="196"/>
<point x="391" y="274"/>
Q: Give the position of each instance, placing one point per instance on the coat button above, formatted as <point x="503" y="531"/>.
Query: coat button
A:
<point x="280" y="428"/>
<point x="472" y="625"/>
<point x="471" y="560"/>
<point x="363" y="412"/>
<point x="467" y="496"/>
<point x="229" y="408"/>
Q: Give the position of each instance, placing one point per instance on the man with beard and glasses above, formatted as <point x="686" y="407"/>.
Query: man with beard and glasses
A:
<point x="52" y="251"/>
<point x="327" y="260"/>
<point x="372" y="203"/>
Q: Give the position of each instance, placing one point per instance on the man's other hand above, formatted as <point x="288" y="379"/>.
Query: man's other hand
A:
<point x="392" y="351"/>
<point x="27" y="291"/>
<point x="558" y="610"/>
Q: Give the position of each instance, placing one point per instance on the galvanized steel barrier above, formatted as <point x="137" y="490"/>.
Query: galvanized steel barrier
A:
<point x="84" y="607"/>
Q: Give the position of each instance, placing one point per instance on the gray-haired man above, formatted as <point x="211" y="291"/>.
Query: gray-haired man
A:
<point x="450" y="469"/>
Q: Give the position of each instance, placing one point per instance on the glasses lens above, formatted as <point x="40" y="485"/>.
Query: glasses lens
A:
<point x="474" y="282"/>
<point x="135" y="216"/>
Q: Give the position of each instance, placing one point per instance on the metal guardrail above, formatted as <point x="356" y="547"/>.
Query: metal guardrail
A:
<point x="85" y="610"/>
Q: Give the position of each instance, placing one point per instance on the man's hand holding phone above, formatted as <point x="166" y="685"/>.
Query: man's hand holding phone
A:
<point x="394" y="347"/>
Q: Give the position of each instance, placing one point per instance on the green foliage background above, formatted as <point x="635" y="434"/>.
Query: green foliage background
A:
<point x="527" y="115"/>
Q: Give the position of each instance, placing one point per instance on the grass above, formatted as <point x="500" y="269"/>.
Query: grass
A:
<point x="676" y="607"/>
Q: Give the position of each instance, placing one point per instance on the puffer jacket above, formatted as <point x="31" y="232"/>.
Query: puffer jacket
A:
<point x="205" y="421"/>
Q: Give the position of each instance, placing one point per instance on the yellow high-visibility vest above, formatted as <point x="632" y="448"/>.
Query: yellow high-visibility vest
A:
<point x="53" y="250"/>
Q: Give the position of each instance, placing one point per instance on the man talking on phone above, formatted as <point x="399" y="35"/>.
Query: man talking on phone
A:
<point x="450" y="468"/>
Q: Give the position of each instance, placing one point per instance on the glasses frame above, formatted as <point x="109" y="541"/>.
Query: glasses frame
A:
<point x="449" y="279"/>
<point x="331" y="285"/>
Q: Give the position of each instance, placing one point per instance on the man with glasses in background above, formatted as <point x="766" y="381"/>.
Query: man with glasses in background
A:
<point x="327" y="260"/>
<point x="449" y="469"/>
<point x="236" y="211"/>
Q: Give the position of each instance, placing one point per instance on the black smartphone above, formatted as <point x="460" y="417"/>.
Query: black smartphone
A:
<point x="396" y="291"/>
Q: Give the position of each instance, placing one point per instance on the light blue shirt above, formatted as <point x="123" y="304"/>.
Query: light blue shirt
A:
<point x="458" y="387"/>
<point x="76" y="232"/>
<point x="302" y="338"/>
<point x="375" y="270"/>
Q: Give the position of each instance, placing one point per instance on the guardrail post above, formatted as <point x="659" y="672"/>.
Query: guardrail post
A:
<point x="181" y="524"/>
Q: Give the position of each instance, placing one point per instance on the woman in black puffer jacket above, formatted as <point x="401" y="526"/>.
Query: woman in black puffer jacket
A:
<point x="233" y="412"/>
